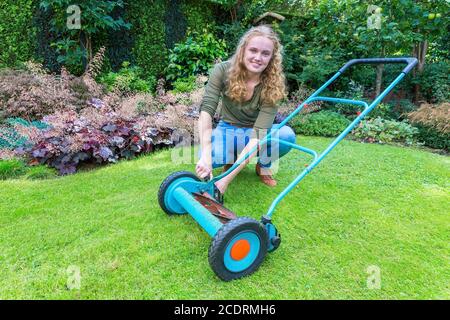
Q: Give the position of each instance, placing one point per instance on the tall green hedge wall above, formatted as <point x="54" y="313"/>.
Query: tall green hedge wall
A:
<point x="157" y="25"/>
<point x="17" y="34"/>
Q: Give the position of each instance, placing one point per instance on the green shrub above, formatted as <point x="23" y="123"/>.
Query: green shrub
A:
<point x="16" y="132"/>
<point x="184" y="85"/>
<point x="323" y="123"/>
<point x="433" y="122"/>
<point x="379" y="130"/>
<point x="401" y="108"/>
<point x="10" y="138"/>
<point x="195" y="56"/>
<point x="11" y="169"/>
<point x="435" y="82"/>
<point x="149" y="34"/>
<point x="355" y="91"/>
<point x="17" y="33"/>
<point x="40" y="172"/>
<point x="382" y="110"/>
<point x="15" y="168"/>
<point x="128" y="79"/>
<point x="198" y="14"/>
<point x="432" y="138"/>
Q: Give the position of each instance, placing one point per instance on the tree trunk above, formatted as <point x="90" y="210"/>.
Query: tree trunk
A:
<point x="379" y="78"/>
<point x="420" y="52"/>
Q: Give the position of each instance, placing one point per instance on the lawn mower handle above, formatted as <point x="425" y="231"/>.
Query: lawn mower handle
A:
<point x="411" y="62"/>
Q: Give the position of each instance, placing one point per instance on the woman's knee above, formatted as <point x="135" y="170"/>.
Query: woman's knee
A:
<point x="287" y="134"/>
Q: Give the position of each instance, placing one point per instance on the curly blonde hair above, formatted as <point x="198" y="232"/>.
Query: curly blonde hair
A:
<point x="272" y="78"/>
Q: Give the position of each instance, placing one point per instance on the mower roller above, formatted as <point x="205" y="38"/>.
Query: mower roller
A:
<point x="240" y="244"/>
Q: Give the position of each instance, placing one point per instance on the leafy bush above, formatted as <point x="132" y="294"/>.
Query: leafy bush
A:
<point x="18" y="132"/>
<point x="40" y="172"/>
<point x="382" y="110"/>
<point x="128" y="79"/>
<point x="33" y="93"/>
<point x="15" y="168"/>
<point x="433" y="123"/>
<point x="379" y="130"/>
<point x="149" y="35"/>
<point x="195" y="56"/>
<point x="401" y="108"/>
<point x="231" y="33"/>
<point x="16" y="31"/>
<point x="434" y="82"/>
<point x="184" y="85"/>
<point x="11" y="168"/>
<point x="322" y="123"/>
<point x="99" y="135"/>
<point x="434" y="116"/>
<point x="355" y="91"/>
<point x="295" y="99"/>
<point x="10" y="139"/>
<point x="432" y="138"/>
<point x="75" y="46"/>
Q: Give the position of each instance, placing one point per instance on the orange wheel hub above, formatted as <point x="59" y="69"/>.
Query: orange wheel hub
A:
<point x="240" y="249"/>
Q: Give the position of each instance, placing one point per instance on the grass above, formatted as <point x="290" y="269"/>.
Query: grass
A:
<point x="364" y="205"/>
<point x="14" y="168"/>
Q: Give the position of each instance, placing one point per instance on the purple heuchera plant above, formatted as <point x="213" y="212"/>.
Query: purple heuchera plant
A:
<point x="71" y="140"/>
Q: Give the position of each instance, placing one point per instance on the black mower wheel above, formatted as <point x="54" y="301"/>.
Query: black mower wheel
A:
<point x="166" y="184"/>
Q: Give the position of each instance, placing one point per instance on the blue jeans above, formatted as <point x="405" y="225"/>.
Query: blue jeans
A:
<point x="228" y="141"/>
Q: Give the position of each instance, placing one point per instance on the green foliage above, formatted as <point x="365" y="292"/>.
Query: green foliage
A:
<point x="148" y="31"/>
<point x="11" y="169"/>
<point x="231" y="33"/>
<point x="434" y="82"/>
<point x="400" y="108"/>
<point x="17" y="33"/>
<point x="199" y="15"/>
<point x="432" y="138"/>
<point x="40" y="172"/>
<point x="382" y="110"/>
<point x="195" y="56"/>
<point x="385" y="131"/>
<point x="10" y="139"/>
<point x="75" y="48"/>
<point x="311" y="56"/>
<point x="45" y="36"/>
<point x="175" y="23"/>
<point x="355" y="91"/>
<point x="16" y="168"/>
<point x="319" y="40"/>
<point x="119" y="43"/>
<point x="182" y="85"/>
<point x="128" y="79"/>
<point x="322" y="123"/>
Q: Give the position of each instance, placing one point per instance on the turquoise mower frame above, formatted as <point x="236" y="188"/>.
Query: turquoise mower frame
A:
<point x="240" y="244"/>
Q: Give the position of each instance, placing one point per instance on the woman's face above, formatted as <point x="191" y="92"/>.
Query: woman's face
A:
<point x="258" y="53"/>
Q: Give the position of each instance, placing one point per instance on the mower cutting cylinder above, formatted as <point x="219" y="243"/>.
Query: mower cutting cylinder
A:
<point x="204" y="218"/>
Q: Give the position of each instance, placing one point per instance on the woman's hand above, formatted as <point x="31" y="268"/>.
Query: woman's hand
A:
<point x="204" y="167"/>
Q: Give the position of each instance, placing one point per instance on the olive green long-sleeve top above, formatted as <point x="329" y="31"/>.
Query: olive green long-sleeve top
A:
<point x="250" y="113"/>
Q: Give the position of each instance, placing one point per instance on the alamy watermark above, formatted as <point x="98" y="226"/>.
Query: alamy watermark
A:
<point x="74" y="18"/>
<point x="374" y="19"/>
<point x="73" y="278"/>
<point x="374" y="278"/>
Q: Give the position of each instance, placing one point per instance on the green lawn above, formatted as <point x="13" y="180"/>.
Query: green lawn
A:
<point x="364" y="205"/>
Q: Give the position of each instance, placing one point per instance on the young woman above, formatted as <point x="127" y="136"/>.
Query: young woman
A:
<point x="250" y="84"/>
